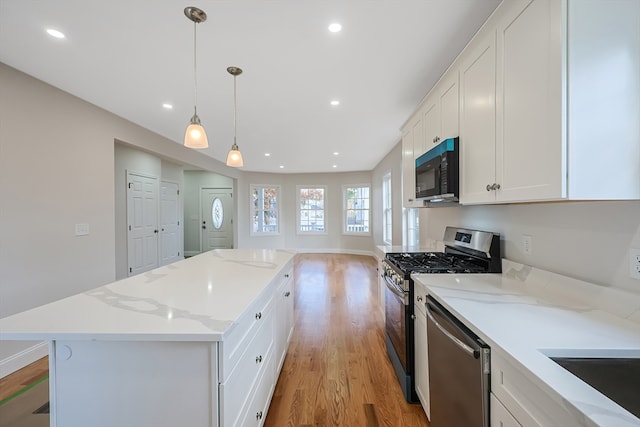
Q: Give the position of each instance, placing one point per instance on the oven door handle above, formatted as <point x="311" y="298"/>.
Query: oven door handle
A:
<point x="469" y="350"/>
<point x="396" y="290"/>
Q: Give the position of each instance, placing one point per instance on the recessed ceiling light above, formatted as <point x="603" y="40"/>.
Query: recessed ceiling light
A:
<point x="335" y="27"/>
<point x="55" y="33"/>
<point x="335" y="166"/>
<point x="281" y="167"/>
<point x="335" y="153"/>
<point x="267" y="154"/>
<point x="335" y="102"/>
<point x="167" y="106"/>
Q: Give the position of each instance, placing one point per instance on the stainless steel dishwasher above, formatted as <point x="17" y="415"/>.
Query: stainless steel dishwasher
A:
<point x="459" y="368"/>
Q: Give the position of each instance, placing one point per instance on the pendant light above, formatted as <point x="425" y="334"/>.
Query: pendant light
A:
<point x="234" y="158"/>
<point x="195" y="136"/>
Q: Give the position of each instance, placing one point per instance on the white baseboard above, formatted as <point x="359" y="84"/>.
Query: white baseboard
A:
<point x="23" y="358"/>
<point x="334" y="251"/>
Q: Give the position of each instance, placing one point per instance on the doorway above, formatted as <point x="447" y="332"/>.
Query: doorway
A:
<point x="216" y="219"/>
<point x="142" y="223"/>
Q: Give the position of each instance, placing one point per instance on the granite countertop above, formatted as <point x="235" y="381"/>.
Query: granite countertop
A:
<point x="196" y="299"/>
<point x="531" y="314"/>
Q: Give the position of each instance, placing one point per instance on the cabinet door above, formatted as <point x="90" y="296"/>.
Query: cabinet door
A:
<point x="284" y="318"/>
<point x="421" y="359"/>
<point x="431" y="120"/>
<point x="449" y="112"/>
<point x="477" y="120"/>
<point x="531" y="162"/>
<point x="409" y="170"/>
<point x="500" y="417"/>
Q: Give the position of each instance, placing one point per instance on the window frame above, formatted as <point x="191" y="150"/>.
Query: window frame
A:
<point x="252" y="209"/>
<point x="387" y="209"/>
<point x="345" y="211"/>
<point x="299" y="211"/>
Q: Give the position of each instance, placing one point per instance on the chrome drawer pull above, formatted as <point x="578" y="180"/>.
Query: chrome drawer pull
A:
<point x="258" y="315"/>
<point x="287" y="294"/>
<point x="259" y="359"/>
<point x="259" y="415"/>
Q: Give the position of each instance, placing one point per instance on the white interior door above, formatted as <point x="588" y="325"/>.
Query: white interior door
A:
<point x="216" y="219"/>
<point x="170" y="223"/>
<point x="142" y="223"/>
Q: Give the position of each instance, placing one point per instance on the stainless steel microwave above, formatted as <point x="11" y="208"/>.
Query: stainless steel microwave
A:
<point x="438" y="173"/>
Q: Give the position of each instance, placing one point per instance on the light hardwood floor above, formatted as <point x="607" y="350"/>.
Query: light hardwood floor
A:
<point x="336" y="372"/>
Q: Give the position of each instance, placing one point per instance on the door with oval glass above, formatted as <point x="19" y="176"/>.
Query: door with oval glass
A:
<point x="216" y="218"/>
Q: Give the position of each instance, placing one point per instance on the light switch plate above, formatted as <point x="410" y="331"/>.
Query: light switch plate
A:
<point x="634" y="263"/>
<point x="527" y="244"/>
<point x="82" y="229"/>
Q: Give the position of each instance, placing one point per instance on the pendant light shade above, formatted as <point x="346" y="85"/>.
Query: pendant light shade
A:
<point x="195" y="135"/>
<point x="234" y="158"/>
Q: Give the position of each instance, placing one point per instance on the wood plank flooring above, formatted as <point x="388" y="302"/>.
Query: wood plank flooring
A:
<point x="24" y="377"/>
<point x="337" y="372"/>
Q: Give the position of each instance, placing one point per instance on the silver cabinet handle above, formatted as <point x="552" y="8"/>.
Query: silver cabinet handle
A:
<point x="470" y="351"/>
<point x="419" y="299"/>
<point x="259" y="415"/>
<point x="488" y="187"/>
<point x="494" y="186"/>
<point x="259" y="359"/>
<point x="258" y="315"/>
<point x="286" y="294"/>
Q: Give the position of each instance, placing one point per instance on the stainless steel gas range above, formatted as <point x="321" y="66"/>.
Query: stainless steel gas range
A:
<point x="466" y="251"/>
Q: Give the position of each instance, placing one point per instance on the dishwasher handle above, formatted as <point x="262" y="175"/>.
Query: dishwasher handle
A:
<point x="467" y="349"/>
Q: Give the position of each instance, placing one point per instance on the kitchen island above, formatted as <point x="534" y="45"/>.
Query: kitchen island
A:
<point x="199" y="342"/>
<point x="530" y="316"/>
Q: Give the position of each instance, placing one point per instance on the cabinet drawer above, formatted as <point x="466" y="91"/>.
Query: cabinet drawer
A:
<point x="529" y="402"/>
<point x="255" y="412"/>
<point x="420" y="298"/>
<point x="233" y="345"/>
<point x="500" y="417"/>
<point x="255" y="362"/>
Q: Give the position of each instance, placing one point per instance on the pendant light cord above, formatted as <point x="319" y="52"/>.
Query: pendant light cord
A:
<point x="235" y="108"/>
<point x="195" y="71"/>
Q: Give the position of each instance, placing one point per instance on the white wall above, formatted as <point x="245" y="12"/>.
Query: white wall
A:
<point x="584" y="240"/>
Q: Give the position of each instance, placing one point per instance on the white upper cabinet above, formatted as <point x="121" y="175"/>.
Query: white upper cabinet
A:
<point x="546" y="102"/>
<point x="477" y="119"/>
<point x="440" y="111"/>
<point x="412" y="134"/>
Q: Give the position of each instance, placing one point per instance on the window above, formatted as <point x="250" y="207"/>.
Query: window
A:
<point x="311" y="209"/>
<point x="265" y="209"/>
<point x="356" y="208"/>
<point x="387" y="212"/>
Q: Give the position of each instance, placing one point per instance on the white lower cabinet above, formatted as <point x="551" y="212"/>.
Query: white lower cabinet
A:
<point x="284" y="317"/>
<point x="530" y="402"/>
<point x="253" y="354"/>
<point x="500" y="417"/>
<point x="421" y="349"/>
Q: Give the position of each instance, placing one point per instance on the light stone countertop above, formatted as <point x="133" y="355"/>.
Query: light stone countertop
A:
<point x="196" y="299"/>
<point x="532" y="314"/>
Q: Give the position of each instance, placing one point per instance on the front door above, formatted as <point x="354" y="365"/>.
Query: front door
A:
<point x="142" y="223"/>
<point x="216" y="219"/>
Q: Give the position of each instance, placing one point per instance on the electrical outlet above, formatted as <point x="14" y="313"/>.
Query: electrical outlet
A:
<point x="527" y="244"/>
<point x="634" y="263"/>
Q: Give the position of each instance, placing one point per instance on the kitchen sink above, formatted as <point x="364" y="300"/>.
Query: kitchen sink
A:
<point x="616" y="378"/>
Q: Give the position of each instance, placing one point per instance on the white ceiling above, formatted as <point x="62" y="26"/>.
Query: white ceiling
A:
<point x="131" y="56"/>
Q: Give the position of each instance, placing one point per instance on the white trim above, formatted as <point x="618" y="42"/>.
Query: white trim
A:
<point x="335" y="251"/>
<point x="324" y="214"/>
<point x="252" y="210"/>
<point x="23" y="358"/>
<point x="344" y="211"/>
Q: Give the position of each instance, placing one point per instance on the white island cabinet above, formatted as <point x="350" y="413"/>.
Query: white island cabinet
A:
<point x="199" y="342"/>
